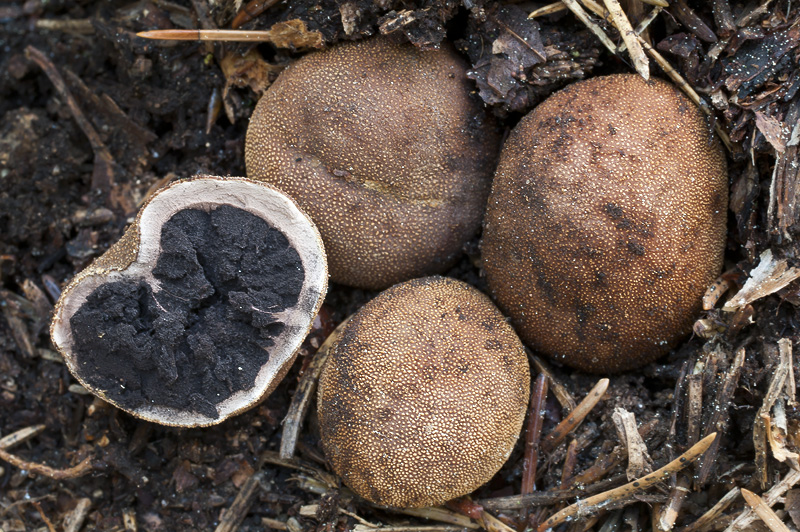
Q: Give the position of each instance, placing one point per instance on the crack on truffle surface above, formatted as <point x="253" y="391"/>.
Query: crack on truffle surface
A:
<point x="206" y="330"/>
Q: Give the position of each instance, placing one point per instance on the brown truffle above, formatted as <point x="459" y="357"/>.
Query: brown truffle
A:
<point x="385" y="149"/>
<point x="606" y="222"/>
<point x="424" y="394"/>
<point x="198" y="311"/>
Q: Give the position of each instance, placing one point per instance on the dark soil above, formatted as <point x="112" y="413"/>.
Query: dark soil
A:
<point x="74" y="169"/>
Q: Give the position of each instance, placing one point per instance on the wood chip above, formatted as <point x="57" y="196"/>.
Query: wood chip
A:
<point x="74" y="520"/>
<point x="639" y="461"/>
<point x="768" y="277"/>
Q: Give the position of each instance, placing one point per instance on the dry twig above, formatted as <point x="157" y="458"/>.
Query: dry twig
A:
<point x="763" y="511"/>
<point x="576" y="417"/>
<point x="746" y="518"/>
<point x="305" y="393"/>
<point x="623" y="25"/>
<point x="705" y="520"/>
<point x="84" y="467"/>
<point x="533" y="434"/>
<point x="560" y="391"/>
<point x="598" y="502"/>
<point x="238" y="510"/>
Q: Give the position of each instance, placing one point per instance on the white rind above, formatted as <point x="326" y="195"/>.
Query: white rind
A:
<point x="207" y="193"/>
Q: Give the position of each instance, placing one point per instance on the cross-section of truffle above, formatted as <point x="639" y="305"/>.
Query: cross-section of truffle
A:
<point x="198" y="311"/>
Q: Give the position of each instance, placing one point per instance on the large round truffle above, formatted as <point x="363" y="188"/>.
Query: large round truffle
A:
<point x="606" y="222"/>
<point x="424" y="394"/>
<point x="386" y="150"/>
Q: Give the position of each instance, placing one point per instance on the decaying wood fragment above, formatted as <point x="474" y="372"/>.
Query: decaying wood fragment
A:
<point x="763" y="418"/>
<point x="783" y="213"/>
<point x="718" y="422"/>
<point x="639" y="461"/>
<point x="129" y="520"/>
<point x="694" y="406"/>
<point x="75" y="518"/>
<point x="768" y="277"/>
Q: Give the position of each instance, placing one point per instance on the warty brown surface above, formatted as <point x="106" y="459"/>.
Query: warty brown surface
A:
<point x="606" y="222"/>
<point x="385" y="149"/>
<point x="424" y="394"/>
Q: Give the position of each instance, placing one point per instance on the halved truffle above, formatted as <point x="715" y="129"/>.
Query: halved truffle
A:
<point x="198" y="311"/>
<point x="386" y="150"/>
<point x="606" y="222"/>
<point x="424" y="394"/>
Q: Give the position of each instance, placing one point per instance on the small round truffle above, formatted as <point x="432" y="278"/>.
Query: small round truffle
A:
<point x="606" y="222"/>
<point x="424" y="394"/>
<point x="386" y="150"/>
<point x="198" y="311"/>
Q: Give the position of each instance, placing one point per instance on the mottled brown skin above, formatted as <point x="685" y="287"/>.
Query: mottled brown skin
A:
<point x="385" y="149"/>
<point x="424" y="394"/>
<point x="606" y="222"/>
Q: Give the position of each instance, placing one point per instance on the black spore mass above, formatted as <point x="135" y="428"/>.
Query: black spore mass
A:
<point x="203" y="333"/>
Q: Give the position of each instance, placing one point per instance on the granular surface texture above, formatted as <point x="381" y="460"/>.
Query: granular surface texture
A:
<point x="205" y="331"/>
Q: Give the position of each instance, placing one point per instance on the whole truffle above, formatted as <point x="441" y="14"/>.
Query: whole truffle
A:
<point x="386" y="150"/>
<point x="606" y="222"/>
<point x="424" y="394"/>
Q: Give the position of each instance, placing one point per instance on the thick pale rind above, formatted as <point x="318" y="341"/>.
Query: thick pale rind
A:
<point x="606" y="222"/>
<point x="136" y="253"/>
<point x="424" y="394"/>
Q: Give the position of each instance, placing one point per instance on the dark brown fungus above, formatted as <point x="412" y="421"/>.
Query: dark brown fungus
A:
<point x="606" y="222"/>
<point x="386" y="150"/>
<point x="424" y="394"/>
